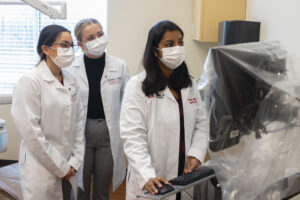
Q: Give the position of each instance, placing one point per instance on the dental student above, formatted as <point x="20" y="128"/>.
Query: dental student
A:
<point x="49" y="116"/>
<point x="164" y="127"/>
<point x="102" y="79"/>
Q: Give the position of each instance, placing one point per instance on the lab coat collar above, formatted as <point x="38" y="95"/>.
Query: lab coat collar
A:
<point x="167" y="92"/>
<point x="45" y="71"/>
<point x="47" y="75"/>
<point x="184" y="94"/>
<point x="79" y="65"/>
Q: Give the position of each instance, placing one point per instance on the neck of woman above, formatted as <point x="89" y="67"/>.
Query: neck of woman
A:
<point x="55" y="70"/>
<point x="167" y="73"/>
<point x="165" y="70"/>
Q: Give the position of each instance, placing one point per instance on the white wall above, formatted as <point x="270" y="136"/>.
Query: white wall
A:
<point x="130" y="21"/>
<point x="279" y="21"/>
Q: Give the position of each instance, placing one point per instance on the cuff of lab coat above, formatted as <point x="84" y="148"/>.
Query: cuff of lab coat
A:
<point x="74" y="163"/>
<point x="200" y="155"/>
<point x="146" y="176"/>
<point x="64" y="169"/>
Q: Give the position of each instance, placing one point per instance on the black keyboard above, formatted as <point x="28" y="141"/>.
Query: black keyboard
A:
<point x="193" y="176"/>
<point x="164" y="189"/>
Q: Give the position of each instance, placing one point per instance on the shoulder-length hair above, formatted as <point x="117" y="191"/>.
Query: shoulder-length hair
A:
<point x="155" y="81"/>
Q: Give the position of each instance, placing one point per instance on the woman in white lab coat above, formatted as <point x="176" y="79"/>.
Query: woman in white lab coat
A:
<point x="102" y="80"/>
<point x="164" y="128"/>
<point x="48" y="114"/>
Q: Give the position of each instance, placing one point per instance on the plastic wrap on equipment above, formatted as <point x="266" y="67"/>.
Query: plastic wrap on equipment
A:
<point x="253" y="98"/>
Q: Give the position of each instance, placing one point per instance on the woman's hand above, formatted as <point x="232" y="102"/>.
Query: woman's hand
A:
<point x="70" y="173"/>
<point x="150" y="184"/>
<point x="191" y="164"/>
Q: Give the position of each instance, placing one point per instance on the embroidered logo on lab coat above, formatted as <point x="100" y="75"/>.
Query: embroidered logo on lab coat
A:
<point x="192" y="100"/>
<point x="156" y="96"/>
<point x="114" y="80"/>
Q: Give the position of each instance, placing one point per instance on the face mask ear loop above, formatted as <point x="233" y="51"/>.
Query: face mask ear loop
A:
<point x="155" y="53"/>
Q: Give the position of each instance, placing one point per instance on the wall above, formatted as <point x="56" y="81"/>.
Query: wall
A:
<point x="279" y="21"/>
<point x="129" y="22"/>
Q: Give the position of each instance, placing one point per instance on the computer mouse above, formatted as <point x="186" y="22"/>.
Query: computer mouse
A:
<point x="164" y="189"/>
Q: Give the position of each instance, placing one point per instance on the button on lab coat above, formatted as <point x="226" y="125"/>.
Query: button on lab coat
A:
<point x="50" y="119"/>
<point x="150" y="131"/>
<point x="113" y="82"/>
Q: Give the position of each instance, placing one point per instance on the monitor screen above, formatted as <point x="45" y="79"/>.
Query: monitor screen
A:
<point x="243" y="76"/>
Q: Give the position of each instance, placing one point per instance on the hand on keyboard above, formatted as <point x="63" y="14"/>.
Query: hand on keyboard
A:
<point x="153" y="183"/>
<point x="192" y="163"/>
<point x="193" y="176"/>
<point x="166" y="188"/>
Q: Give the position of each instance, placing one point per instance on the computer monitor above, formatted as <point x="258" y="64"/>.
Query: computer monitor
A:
<point x="243" y="76"/>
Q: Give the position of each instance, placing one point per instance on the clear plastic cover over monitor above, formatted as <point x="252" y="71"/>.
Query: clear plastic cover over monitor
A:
<point x="254" y="119"/>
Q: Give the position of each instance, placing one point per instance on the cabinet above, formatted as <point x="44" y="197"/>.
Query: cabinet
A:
<point x="208" y="13"/>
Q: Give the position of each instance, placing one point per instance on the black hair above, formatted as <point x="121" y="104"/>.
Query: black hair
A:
<point x="48" y="36"/>
<point x="155" y="81"/>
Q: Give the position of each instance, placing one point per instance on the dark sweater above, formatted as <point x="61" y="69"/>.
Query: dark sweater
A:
<point x="94" y="70"/>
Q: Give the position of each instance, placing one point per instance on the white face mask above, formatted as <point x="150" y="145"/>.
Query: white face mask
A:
<point x="64" y="58"/>
<point x="96" y="47"/>
<point x="173" y="57"/>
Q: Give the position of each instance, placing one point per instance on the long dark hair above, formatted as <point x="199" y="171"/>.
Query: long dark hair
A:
<point x="155" y="81"/>
<point x="48" y="36"/>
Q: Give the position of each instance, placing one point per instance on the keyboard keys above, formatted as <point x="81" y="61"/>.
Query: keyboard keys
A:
<point x="196" y="175"/>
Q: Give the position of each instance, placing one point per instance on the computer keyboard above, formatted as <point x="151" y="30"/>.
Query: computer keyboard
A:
<point x="164" y="189"/>
<point x="193" y="176"/>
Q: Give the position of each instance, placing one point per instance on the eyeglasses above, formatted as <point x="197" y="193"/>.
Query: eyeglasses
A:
<point x="66" y="45"/>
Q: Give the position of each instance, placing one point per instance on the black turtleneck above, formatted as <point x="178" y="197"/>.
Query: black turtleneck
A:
<point x="94" y="70"/>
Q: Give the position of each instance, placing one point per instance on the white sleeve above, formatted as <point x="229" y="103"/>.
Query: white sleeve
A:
<point x="126" y="77"/>
<point x="199" y="143"/>
<point x="26" y="112"/>
<point x="76" y="158"/>
<point x="133" y="125"/>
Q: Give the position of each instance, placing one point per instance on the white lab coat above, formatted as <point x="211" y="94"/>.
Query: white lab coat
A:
<point x="113" y="82"/>
<point x="50" y="118"/>
<point x="150" y="131"/>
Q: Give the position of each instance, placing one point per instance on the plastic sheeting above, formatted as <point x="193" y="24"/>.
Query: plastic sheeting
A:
<point x="10" y="181"/>
<point x="254" y="106"/>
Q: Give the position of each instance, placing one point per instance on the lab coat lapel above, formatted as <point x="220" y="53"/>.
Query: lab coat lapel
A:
<point x="80" y="66"/>
<point x="167" y="92"/>
<point x="69" y="82"/>
<point x="184" y="94"/>
<point x="105" y="71"/>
